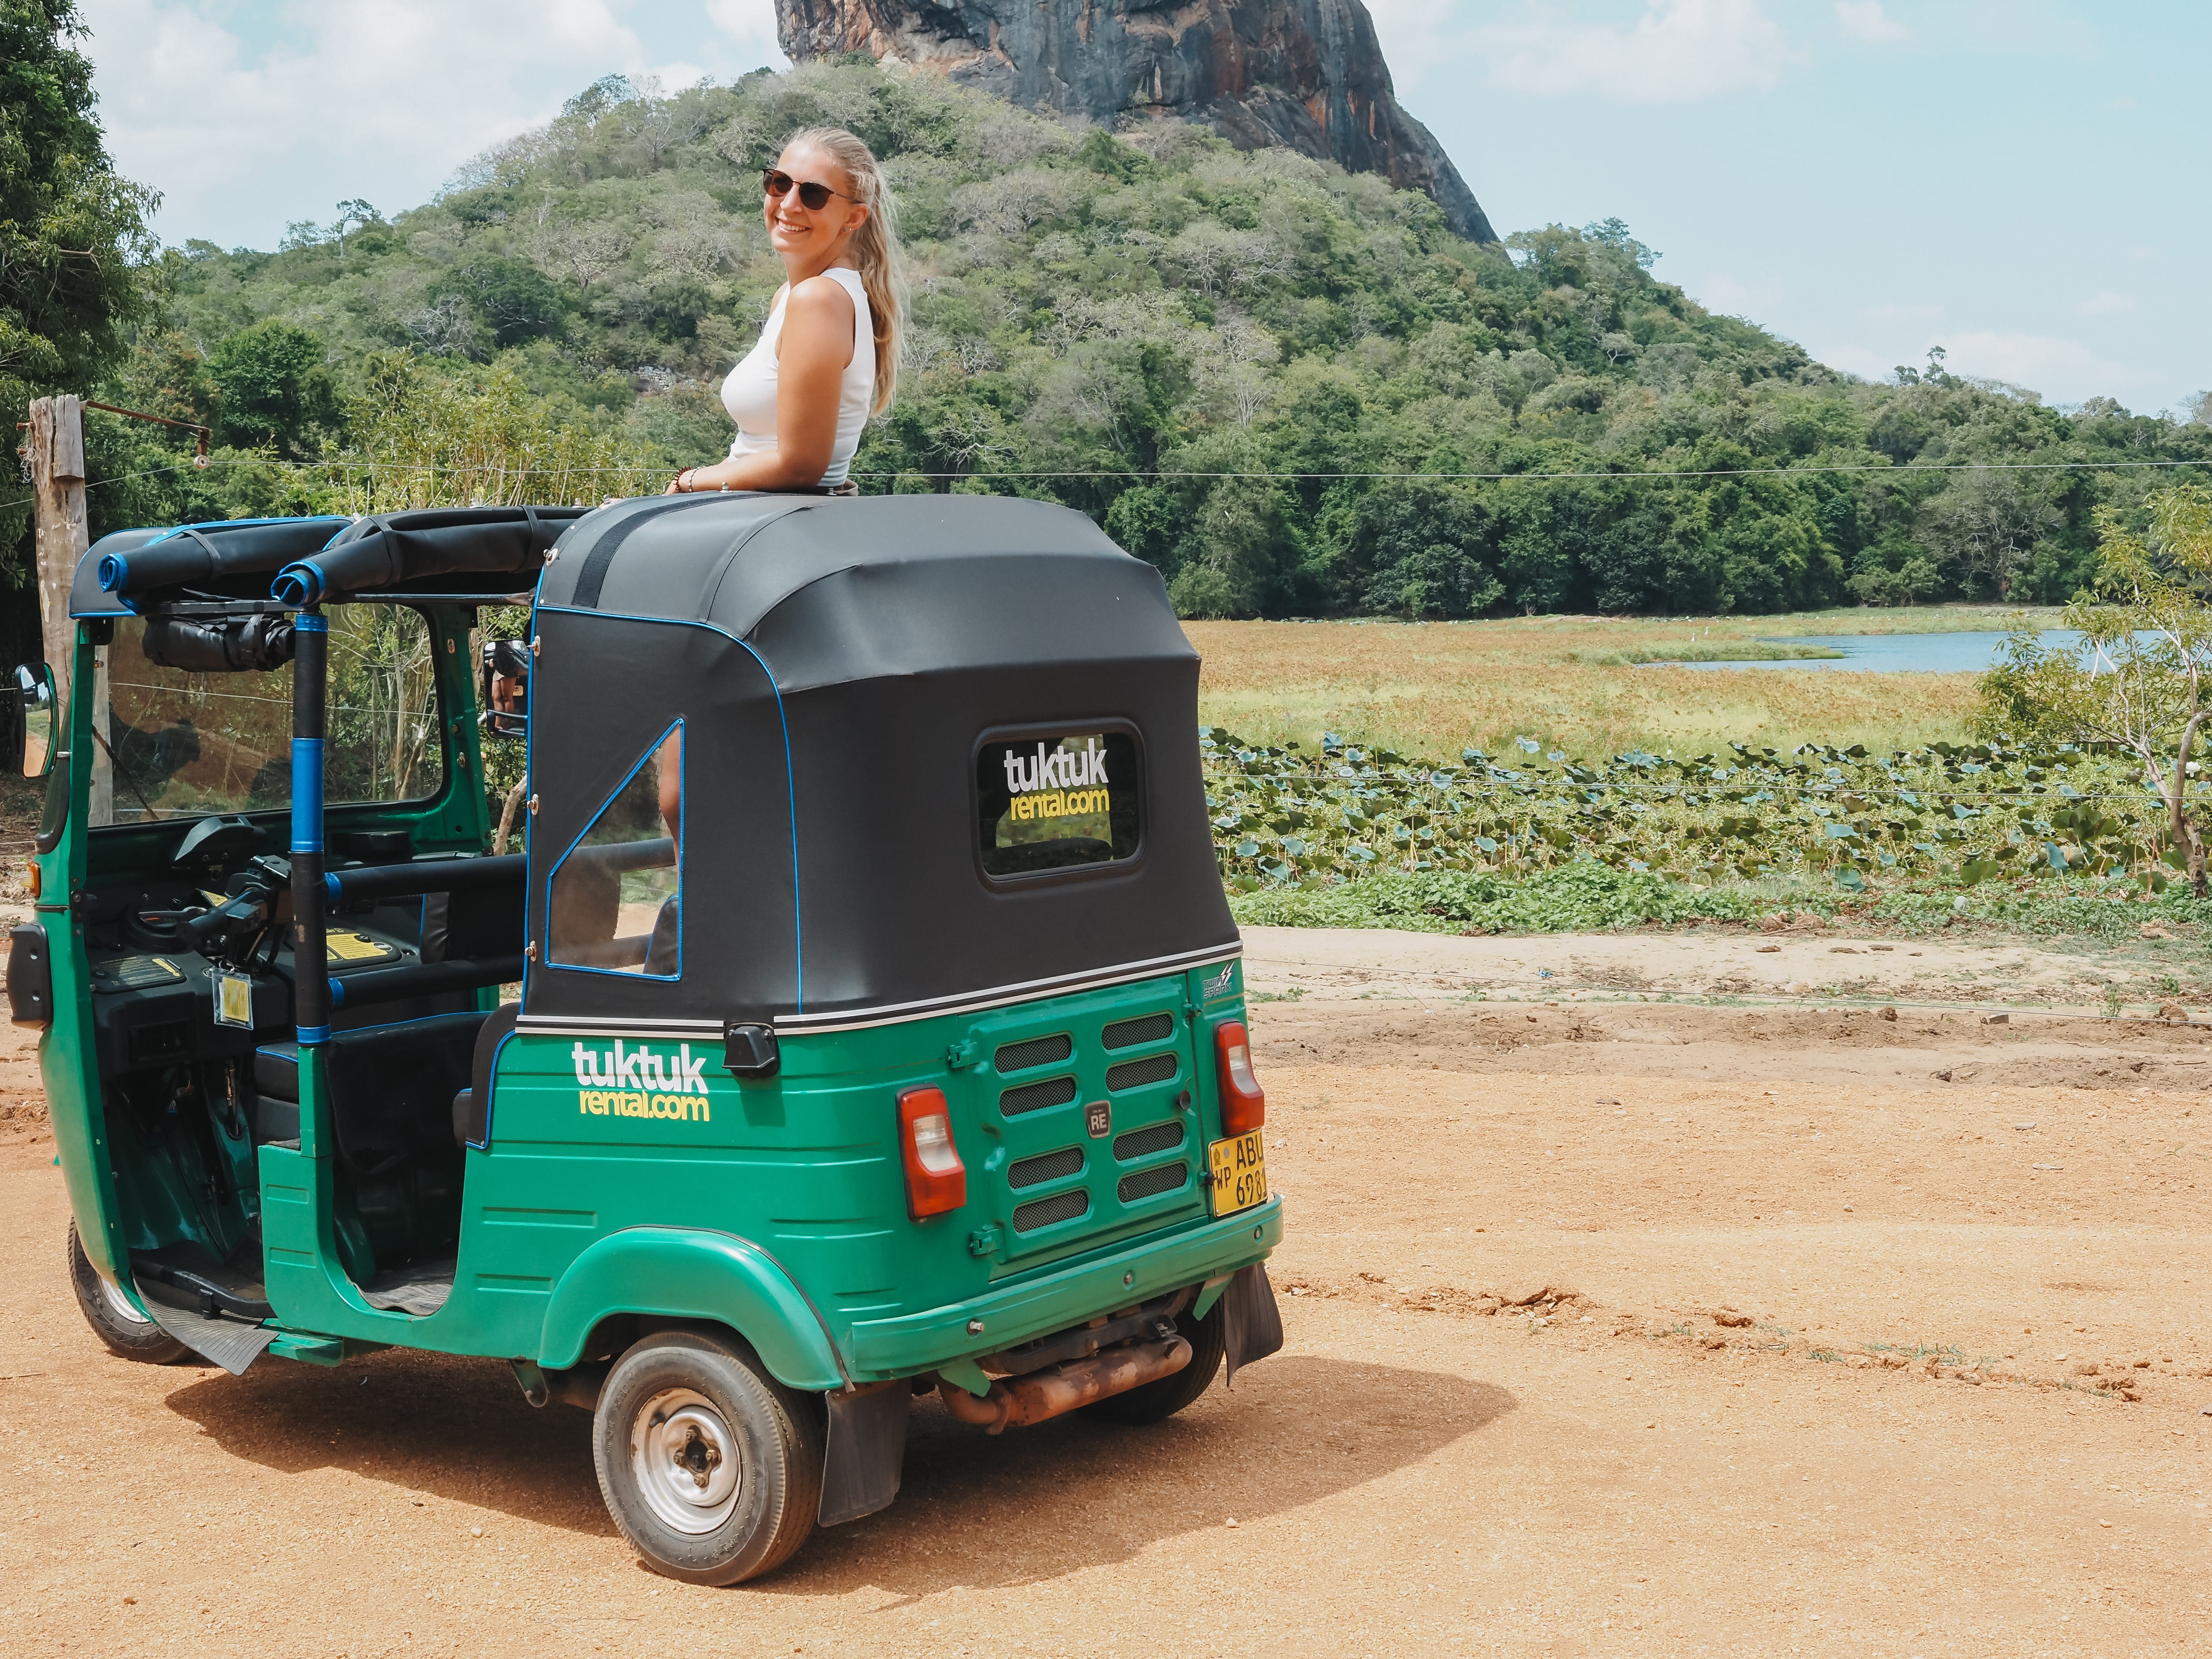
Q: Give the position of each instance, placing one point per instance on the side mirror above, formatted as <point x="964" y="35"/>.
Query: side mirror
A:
<point x="506" y="691"/>
<point x="34" y="718"/>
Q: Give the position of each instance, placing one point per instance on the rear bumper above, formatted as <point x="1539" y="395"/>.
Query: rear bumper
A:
<point x="884" y="1348"/>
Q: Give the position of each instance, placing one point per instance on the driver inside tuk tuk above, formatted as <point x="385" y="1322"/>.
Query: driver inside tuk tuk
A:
<point x="828" y="356"/>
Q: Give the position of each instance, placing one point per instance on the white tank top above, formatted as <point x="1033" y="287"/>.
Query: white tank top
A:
<point x="749" y="393"/>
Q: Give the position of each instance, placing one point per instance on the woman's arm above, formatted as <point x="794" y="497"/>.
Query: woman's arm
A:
<point x="811" y="360"/>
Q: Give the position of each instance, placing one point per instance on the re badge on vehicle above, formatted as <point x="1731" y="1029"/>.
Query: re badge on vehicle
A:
<point x="1098" y="1118"/>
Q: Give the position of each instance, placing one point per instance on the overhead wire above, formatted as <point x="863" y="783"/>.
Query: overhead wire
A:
<point x="1170" y="474"/>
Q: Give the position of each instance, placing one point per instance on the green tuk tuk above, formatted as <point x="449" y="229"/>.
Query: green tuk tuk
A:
<point x="880" y="1027"/>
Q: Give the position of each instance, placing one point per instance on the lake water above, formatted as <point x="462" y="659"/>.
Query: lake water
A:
<point x="1895" y="653"/>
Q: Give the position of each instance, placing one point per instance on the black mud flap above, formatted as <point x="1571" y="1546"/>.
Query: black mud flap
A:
<point x="1252" y="1324"/>
<point x="867" y="1450"/>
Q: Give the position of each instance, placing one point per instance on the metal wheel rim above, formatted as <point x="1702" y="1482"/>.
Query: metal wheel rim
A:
<point x="119" y="1304"/>
<point x="685" y="1460"/>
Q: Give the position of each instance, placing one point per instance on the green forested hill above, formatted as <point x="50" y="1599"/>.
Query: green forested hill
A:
<point x="1211" y="352"/>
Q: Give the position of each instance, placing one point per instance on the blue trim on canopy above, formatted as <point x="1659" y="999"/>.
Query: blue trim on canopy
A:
<point x="790" y="780"/>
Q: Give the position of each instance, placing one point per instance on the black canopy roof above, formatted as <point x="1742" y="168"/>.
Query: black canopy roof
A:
<point x="836" y="663"/>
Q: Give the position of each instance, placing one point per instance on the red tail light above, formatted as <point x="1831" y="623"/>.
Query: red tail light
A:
<point x="936" y="1180"/>
<point x="1243" y="1102"/>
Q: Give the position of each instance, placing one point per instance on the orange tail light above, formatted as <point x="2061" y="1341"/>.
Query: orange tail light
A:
<point x="936" y="1180"/>
<point x="1243" y="1102"/>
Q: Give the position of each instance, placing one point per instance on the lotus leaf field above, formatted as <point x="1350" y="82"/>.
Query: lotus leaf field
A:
<point x="1289" y="816"/>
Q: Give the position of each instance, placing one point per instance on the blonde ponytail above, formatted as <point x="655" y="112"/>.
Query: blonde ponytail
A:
<point x="875" y="247"/>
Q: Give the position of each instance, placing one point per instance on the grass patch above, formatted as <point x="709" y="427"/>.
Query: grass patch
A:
<point x="1581" y="898"/>
<point x="1435" y="688"/>
<point x="1737" y="651"/>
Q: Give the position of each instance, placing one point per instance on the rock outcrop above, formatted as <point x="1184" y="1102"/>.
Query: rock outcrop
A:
<point x="1305" y="74"/>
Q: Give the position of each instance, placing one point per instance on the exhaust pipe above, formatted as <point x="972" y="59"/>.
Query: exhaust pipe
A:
<point x="1018" y="1402"/>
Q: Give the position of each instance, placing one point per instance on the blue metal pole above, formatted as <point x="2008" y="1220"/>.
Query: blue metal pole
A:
<point x="311" y="985"/>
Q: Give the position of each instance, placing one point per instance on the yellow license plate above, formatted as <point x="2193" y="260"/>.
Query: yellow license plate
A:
<point x="1238" y="1169"/>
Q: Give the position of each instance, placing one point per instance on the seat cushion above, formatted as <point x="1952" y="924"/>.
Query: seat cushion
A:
<point x="391" y="1087"/>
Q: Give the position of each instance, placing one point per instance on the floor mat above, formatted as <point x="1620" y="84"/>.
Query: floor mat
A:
<point x="419" y="1288"/>
<point x="229" y="1343"/>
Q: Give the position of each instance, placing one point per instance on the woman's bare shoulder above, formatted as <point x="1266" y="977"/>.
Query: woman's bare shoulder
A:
<point x="820" y="295"/>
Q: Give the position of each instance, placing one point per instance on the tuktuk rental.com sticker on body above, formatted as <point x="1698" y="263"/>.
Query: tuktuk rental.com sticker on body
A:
<point x="638" y="1083"/>
<point x="1058" y="783"/>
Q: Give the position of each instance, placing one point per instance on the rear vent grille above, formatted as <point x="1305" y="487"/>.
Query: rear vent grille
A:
<point x="1152" y="1068"/>
<point x="1143" y="1143"/>
<point x="1128" y="1033"/>
<point x="1050" y="1166"/>
<point x="1151" y="1183"/>
<point x="1044" y="1212"/>
<point x="1034" y="1051"/>
<point x="1035" y="1096"/>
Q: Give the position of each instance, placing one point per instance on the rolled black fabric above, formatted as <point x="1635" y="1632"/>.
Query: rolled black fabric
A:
<point x="134" y="562"/>
<point x="394" y="549"/>
<point x="252" y="643"/>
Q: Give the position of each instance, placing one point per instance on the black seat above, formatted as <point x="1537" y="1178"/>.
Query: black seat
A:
<point x="391" y="1087"/>
<point x="472" y="1106"/>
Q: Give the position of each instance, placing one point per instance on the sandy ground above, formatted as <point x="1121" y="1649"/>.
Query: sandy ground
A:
<point x="1848" y="1336"/>
<point x="1724" y="965"/>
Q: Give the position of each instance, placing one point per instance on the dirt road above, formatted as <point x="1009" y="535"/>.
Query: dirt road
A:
<point x="1812" y="1376"/>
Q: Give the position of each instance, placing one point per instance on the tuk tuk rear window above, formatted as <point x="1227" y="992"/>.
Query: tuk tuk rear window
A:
<point x="1059" y="800"/>
<point x="181" y="743"/>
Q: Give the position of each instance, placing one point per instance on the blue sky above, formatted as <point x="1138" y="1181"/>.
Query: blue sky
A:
<point x="2012" y="179"/>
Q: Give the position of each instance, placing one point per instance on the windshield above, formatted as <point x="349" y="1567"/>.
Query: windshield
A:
<point x="181" y="743"/>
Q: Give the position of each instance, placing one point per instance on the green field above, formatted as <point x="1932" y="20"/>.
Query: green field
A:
<point x="1456" y="775"/>
<point x="1429" y="689"/>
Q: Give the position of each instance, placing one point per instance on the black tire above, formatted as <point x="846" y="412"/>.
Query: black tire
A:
<point x="1155" y="1402"/>
<point x="127" y="1333"/>
<point x="713" y="1392"/>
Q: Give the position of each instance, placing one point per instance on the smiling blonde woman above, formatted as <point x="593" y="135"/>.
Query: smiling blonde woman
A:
<point x="828" y="356"/>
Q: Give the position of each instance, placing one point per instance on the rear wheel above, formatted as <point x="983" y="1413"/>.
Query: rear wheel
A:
<point x="125" y="1330"/>
<point x="711" y="1467"/>
<point x="1152" y="1402"/>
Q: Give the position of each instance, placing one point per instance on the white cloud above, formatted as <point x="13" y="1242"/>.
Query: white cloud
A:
<point x="2063" y="370"/>
<point x="1724" y="296"/>
<point x="1866" y="22"/>
<point x="1856" y="359"/>
<point x="2107" y="304"/>
<point x="1897" y="311"/>
<point x="1419" y="38"/>
<point x="751" y="27"/>
<point x="1678" y="49"/>
<point x="381" y="98"/>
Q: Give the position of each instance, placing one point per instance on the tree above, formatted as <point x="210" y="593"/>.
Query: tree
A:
<point x="271" y="389"/>
<point x="2142" y="675"/>
<point x="509" y="297"/>
<point x="1985" y="523"/>
<point x="354" y="215"/>
<point x="73" y="238"/>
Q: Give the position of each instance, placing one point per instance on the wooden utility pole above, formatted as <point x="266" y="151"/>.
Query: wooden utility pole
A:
<point x="58" y="492"/>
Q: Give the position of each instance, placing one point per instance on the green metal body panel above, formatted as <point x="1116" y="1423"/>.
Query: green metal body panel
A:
<point x="455" y="819"/>
<point x="776" y="1207"/>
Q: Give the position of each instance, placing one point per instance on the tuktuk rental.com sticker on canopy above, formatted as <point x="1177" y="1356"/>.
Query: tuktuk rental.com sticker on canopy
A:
<point x="640" y="1083"/>
<point x="1057" y="782"/>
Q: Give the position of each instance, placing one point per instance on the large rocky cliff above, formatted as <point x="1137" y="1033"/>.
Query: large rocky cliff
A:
<point x="1307" y="74"/>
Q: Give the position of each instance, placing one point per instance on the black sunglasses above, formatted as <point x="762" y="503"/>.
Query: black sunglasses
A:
<point x="814" y="197"/>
